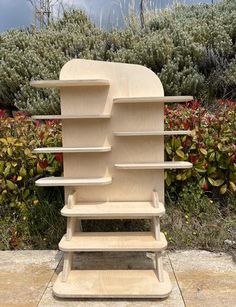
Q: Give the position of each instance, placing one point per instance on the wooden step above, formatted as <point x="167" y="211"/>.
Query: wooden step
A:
<point x="63" y="181"/>
<point x="113" y="210"/>
<point x="72" y="149"/>
<point x="60" y="117"/>
<point x="68" y="83"/>
<point x="112" y="284"/>
<point x="153" y="166"/>
<point x="113" y="242"/>
<point x="151" y="133"/>
<point x="153" y="99"/>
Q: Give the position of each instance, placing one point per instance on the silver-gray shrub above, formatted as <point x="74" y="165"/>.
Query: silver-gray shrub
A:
<point x="191" y="48"/>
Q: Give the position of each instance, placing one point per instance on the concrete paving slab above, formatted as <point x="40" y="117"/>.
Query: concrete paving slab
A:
<point x="114" y="261"/>
<point x="24" y="276"/>
<point x="205" y="278"/>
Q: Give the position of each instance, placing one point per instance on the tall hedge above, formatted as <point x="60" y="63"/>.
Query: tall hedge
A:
<point x="191" y="48"/>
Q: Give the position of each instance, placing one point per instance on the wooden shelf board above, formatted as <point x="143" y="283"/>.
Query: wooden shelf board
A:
<point x="113" y="241"/>
<point x="112" y="284"/>
<point x="72" y="149"/>
<point x="62" y="181"/>
<point x="164" y="99"/>
<point x="158" y="165"/>
<point x="151" y="133"/>
<point x="68" y="83"/>
<point x="86" y="116"/>
<point x="97" y="210"/>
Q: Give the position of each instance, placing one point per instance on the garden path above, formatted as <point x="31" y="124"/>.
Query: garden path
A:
<point x="199" y="278"/>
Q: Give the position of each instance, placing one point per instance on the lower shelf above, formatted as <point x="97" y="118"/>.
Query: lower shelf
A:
<point x="113" y="242"/>
<point x="112" y="283"/>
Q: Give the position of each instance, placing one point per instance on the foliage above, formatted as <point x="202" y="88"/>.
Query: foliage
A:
<point x="211" y="146"/>
<point x="195" y="221"/>
<point x="21" y="203"/>
<point x="32" y="54"/>
<point x="191" y="48"/>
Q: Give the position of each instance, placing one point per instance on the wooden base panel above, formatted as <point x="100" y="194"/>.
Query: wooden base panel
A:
<point x="112" y="284"/>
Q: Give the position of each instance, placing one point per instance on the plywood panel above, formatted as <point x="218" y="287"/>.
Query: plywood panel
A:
<point x="124" y="81"/>
<point x="95" y="210"/>
<point x="113" y="241"/>
<point x="113" y="284"/>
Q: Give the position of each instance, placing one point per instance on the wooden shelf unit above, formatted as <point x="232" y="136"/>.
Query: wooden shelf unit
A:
<point x="96" y="188"/>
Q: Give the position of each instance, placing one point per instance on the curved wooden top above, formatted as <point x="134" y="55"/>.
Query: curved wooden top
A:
<point x="68" y="83"/>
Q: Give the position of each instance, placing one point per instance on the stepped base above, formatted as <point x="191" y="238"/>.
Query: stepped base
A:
<point x="112" y="284"/>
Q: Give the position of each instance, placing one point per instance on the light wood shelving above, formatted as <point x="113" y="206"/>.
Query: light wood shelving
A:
<point x="152" y="133"/>
<point x="109" y="210"/>
<point x="63" y="182"/>
<point x="72" y="149"/>
<point x="95" y="185"/>
<point x="164" y="99"/>
<point x="153" y="166"/>
<point x="110" y="284"/>
<point x="68" y="83"/>
<point x="70" y="117"/>
<point x="113" y="242"/>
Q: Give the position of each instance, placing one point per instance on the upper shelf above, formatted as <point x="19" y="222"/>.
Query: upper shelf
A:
<point x="63" y="181"/>
<point x="86" y="116"/>
<point x="156" y="165"/>
<point x="72" y="149"/>
<point x="153" y="99"/>
<point x="151" y="133"/>
<point x="68" y="83"/>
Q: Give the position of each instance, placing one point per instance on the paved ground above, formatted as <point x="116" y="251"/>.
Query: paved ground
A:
<point x="199" y="278"/>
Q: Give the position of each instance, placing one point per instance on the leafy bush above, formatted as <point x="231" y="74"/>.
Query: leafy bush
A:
<point x="28" y="210"/>
<point x="211" y="147"/>
<point x="191" y="48"/>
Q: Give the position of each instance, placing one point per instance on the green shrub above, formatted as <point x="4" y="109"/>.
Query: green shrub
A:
<point x="33" y="216"/>
<point x="211" y="147"/>
<point x="191" y="48"/>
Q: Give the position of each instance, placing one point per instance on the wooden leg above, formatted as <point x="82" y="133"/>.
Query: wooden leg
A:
<point x="155" y="199"/>
<point x="159" y="267"/>
<point x="71" y="221"/>
<point x="71" y="199"/>
<point x="68" y="257"/>
<point x="156" y="227"/>
<point x="78" y="227"/>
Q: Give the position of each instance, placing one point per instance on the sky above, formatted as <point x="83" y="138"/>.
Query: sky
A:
<point x="18" y="13"/>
